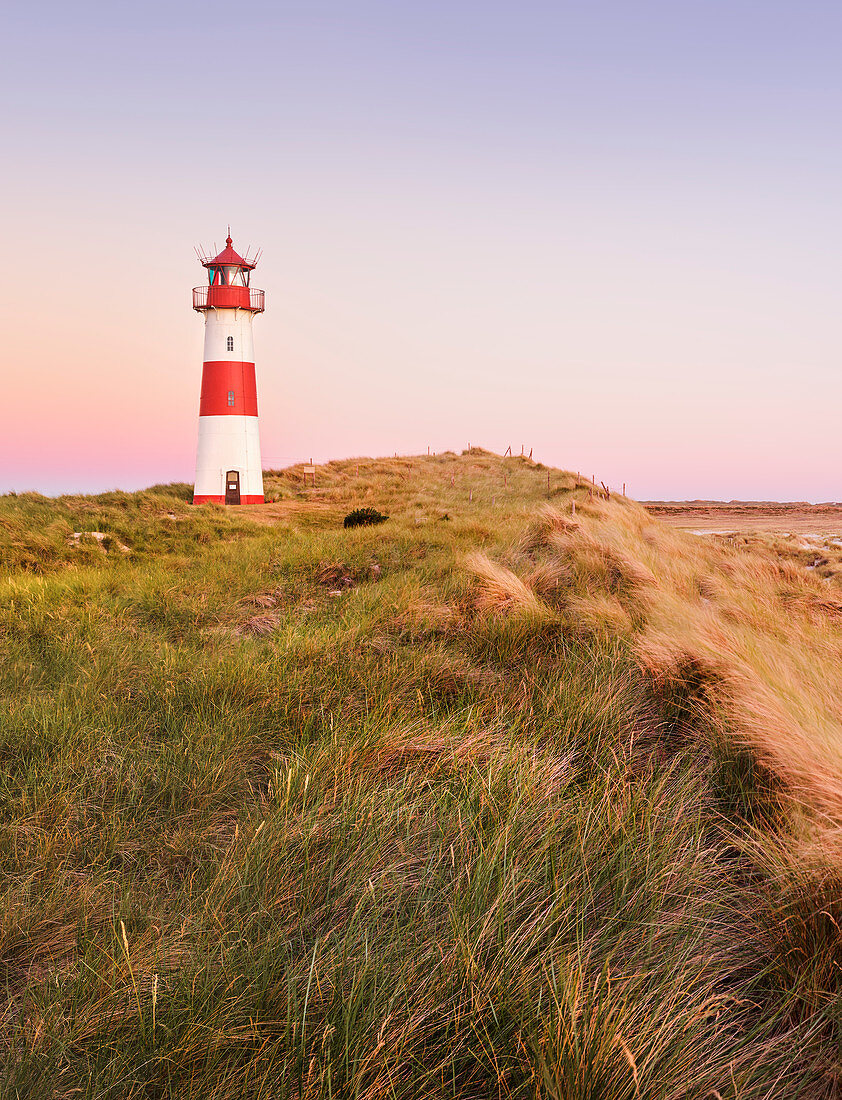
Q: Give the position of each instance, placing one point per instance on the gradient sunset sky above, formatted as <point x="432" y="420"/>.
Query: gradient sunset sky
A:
<point x="610" y="231"/>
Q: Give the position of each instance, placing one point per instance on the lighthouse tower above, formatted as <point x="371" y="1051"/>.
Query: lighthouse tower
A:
<point x="228" y="469"/>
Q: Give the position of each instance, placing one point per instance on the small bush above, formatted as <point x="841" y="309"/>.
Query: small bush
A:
<point x="364" y="517"/>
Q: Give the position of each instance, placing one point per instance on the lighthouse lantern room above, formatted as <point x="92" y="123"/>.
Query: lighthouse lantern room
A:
<point x="228" y="469"/>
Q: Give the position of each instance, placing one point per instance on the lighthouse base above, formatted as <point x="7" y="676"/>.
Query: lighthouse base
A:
<point x="221" y="500"/>
<point x="229" y="449"/>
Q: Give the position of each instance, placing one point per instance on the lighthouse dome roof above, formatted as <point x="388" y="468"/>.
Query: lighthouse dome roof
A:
<point x="229" y="256"/>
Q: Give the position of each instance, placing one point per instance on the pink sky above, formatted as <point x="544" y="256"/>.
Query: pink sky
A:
<point x="613" y="240"/>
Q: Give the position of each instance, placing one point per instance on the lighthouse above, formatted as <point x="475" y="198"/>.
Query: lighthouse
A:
<point x="228" y="469"/>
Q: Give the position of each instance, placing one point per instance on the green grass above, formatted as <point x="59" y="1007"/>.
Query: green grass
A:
<point x="424" y="809"/>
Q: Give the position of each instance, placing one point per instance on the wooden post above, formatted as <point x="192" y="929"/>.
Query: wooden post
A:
<point x="548" y="482"/>
<point x="624" y="488"/>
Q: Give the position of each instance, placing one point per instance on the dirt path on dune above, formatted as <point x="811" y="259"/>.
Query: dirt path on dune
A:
<point x="289" y="510"/>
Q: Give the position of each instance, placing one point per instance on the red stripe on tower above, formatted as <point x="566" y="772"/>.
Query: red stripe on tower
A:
<point x="228" y="389"/>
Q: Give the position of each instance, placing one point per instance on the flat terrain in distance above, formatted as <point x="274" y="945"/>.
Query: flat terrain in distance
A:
<point x="796" y="517"/>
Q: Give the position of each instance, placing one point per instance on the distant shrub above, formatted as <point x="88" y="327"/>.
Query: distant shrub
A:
<point x="364" y="517"/>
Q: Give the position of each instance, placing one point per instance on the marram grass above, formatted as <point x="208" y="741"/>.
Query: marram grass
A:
<point x="504" y="798"/>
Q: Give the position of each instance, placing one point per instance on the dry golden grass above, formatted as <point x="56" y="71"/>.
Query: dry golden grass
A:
<point x="756" y="638"/>
<point x="500" y="589"/>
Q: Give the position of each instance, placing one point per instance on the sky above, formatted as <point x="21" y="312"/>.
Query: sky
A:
<point x="608" y="231"/>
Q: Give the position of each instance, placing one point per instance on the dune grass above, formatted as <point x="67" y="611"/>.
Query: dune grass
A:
<point x="518" y="794"/>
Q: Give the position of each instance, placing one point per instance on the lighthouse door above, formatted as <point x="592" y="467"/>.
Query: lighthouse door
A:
<point x="232" y="487"/>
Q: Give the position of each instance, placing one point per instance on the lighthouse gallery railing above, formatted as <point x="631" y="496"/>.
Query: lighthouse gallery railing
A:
<point x="228" y="297"/>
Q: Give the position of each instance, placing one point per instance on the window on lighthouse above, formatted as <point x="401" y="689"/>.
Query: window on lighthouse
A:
<point x="230" y="343"/>
<point x="230" y="399"/>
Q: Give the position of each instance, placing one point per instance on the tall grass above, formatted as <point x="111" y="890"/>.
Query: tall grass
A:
<point x="513" y="803"/>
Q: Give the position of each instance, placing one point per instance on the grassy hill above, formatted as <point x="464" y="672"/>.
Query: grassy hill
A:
<point x="518" y="794"/>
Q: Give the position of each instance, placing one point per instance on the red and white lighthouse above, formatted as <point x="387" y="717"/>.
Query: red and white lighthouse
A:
<point x="228" y="469"/>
